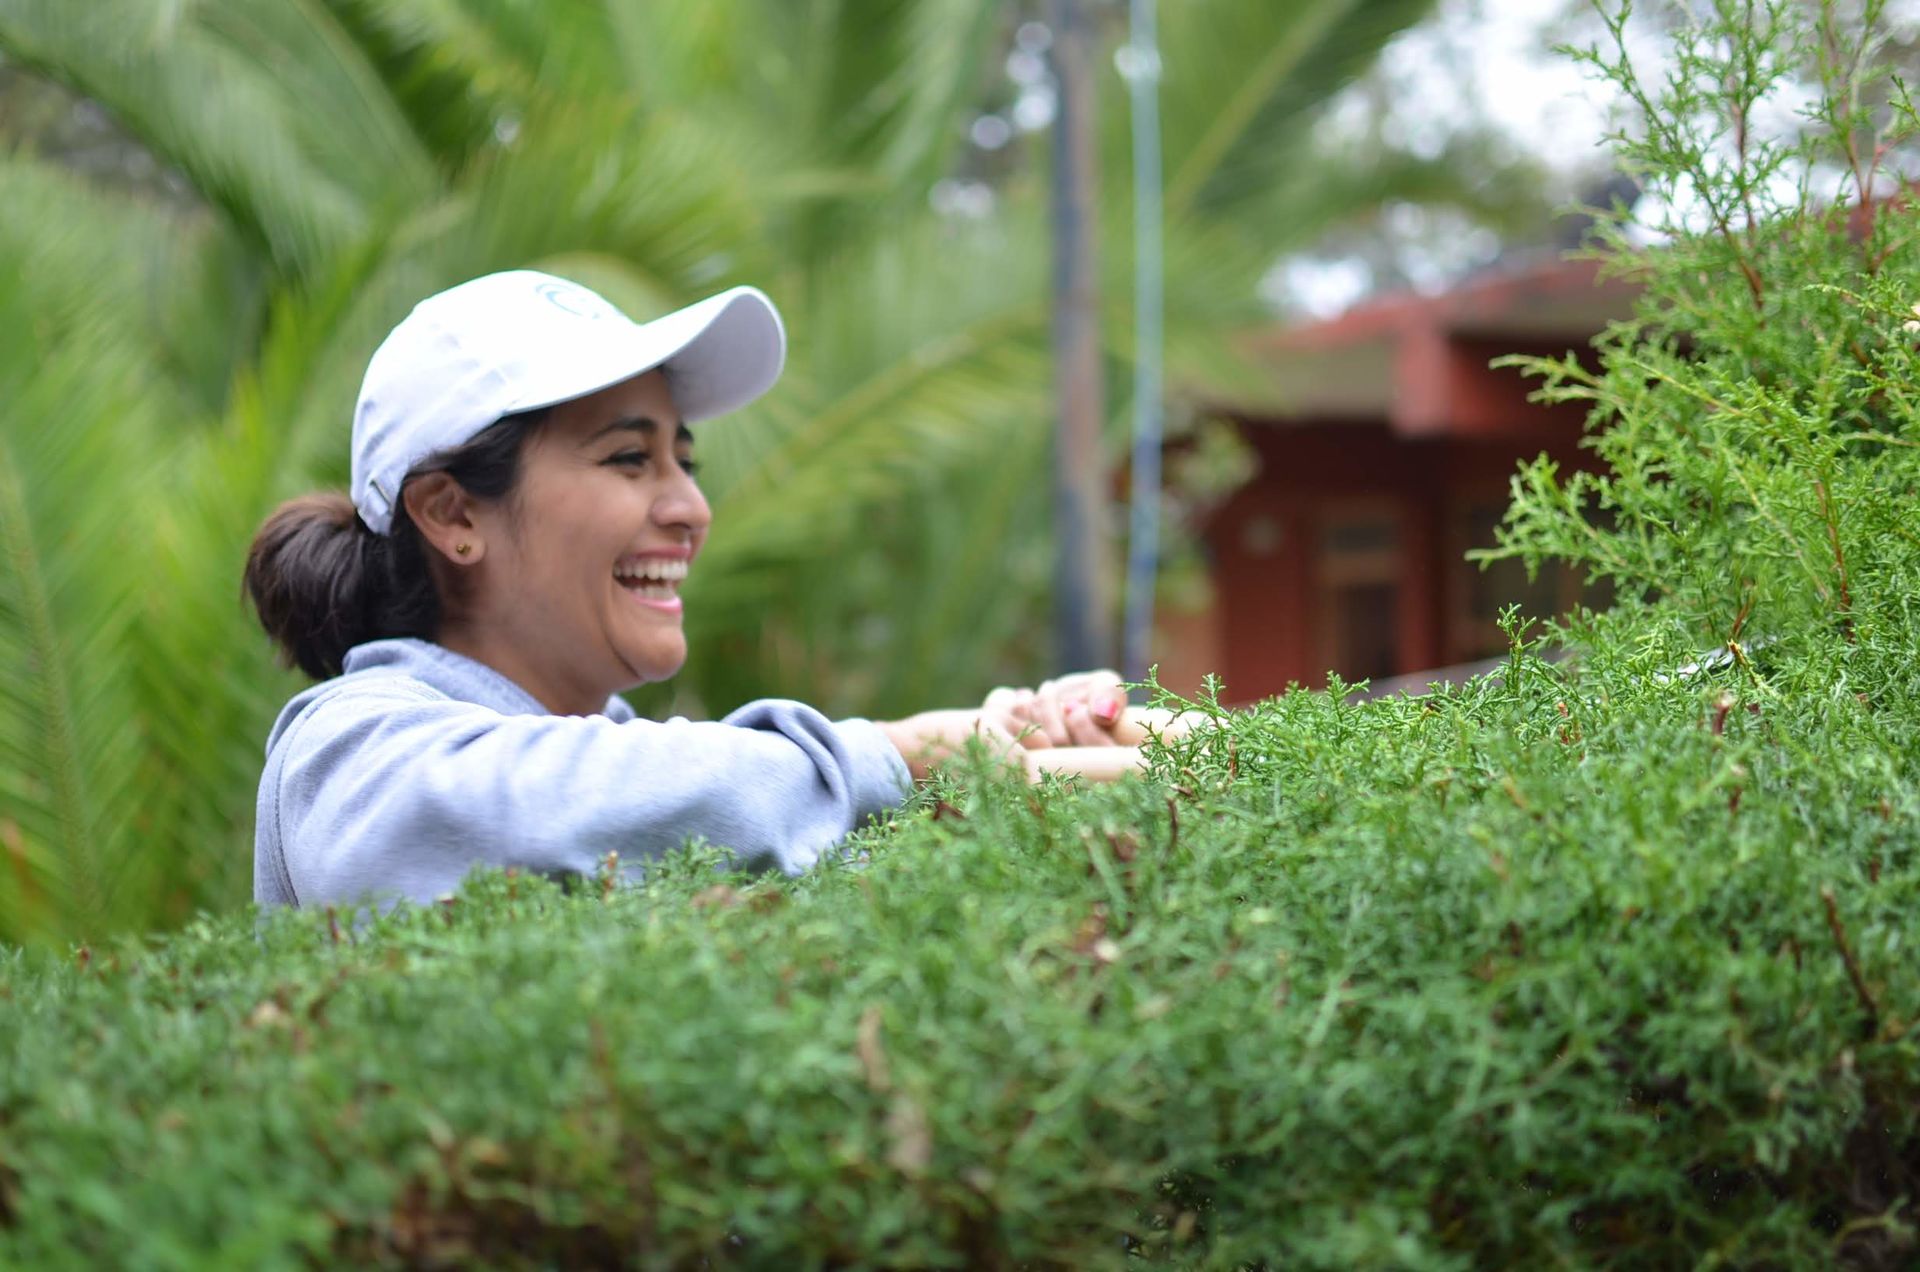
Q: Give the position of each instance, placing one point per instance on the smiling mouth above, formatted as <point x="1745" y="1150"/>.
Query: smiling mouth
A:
<point x="656" y="581"/>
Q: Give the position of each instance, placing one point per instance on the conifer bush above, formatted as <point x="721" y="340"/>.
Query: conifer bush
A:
<point x="1604" y="961"/>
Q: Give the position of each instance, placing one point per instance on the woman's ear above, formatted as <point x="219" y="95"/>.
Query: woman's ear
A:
<point x="442" y="511"/>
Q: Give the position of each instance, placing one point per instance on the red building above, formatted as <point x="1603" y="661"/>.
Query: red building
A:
<point x="1386" y="457"/>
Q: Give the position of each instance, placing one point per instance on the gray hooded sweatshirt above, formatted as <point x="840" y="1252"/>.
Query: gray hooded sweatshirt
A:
<point x="418" y="764"/>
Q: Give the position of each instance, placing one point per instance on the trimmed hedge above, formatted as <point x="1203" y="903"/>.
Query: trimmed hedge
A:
<point x="1568" y="966"/>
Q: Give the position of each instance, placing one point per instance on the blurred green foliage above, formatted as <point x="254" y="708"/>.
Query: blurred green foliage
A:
<point x="185" y="335"/>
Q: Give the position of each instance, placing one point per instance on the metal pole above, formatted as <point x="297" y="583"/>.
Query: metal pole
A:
<point x="1079" y="476"/>
<point x="1142" y="67"/>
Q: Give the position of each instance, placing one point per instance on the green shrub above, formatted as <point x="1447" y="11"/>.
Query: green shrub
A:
<point x="1572" y="967"/>
<point x="1598" y="962"/>
<point x="1758" y="412"/>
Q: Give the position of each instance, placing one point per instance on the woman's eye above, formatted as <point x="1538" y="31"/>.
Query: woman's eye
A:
<point x="640" y="459"/>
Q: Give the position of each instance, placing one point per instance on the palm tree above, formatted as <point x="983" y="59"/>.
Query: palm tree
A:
<point x="186" y="362"/>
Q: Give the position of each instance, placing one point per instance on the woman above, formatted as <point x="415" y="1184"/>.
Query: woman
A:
<point x="522" y="515"/>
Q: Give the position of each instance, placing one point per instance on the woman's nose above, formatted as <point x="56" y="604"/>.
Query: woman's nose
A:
<point x="681" y="503"/>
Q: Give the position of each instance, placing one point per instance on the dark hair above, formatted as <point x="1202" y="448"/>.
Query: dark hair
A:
<point x="322" y="582"/>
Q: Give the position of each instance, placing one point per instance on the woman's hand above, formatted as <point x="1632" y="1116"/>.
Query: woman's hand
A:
<point x="1087" y="708"/>
<point x="1079" y="724"/>
<point x="928" y="739"/>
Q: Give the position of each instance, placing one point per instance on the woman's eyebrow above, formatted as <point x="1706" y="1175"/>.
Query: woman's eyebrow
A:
<point x="641" y="424"/>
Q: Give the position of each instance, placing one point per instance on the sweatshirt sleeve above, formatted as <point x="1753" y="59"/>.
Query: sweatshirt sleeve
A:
<point x="398" y="791"/>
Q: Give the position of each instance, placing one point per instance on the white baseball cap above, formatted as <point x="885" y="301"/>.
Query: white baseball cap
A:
<point x="520" y="340"/>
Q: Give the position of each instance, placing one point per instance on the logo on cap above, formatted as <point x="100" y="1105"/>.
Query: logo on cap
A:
<point x="575" y="300"/>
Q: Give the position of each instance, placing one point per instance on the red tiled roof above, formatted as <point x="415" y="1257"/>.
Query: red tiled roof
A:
<point x="1419" y="362"/>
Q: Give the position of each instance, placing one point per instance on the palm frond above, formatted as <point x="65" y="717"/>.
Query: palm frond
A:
<point x="171" y="286"/>
<point x="595" y="175"/>
<point x="265" y="109"/>
<point x="686" y="54"/>
<point x="75" y="446"/>
<point x="968" y="571"/>
<point x="460" y="77"/>
<point x="1277" y="63"/>
<point x="917" y="364"/>
<point x="899" y="83"/>
<point x="852" y="111"/>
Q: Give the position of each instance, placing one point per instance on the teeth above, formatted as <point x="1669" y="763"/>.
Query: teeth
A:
<point x="652" y="569"/>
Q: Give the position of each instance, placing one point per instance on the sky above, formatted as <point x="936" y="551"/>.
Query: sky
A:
<point x="1501" y="51"/>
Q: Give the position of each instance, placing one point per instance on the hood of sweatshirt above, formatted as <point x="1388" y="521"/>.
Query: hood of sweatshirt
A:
<point x="455" y="675"/>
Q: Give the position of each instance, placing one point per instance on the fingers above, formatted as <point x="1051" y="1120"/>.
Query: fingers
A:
<point x="1085" y="708"/>
<point x="1142" y="722"/>
<point x="1098" y="689"/>
<point x="1082" y="728"/>
<point x="1101" y="699"/>
<point x="1003" y="708"/>
<point x="1000" y="741"/>
<point x="1049" y="712"/>
<point x="1012" y="710"/>
<point x="929" y="739"/>
<point x="1106" y="700"/>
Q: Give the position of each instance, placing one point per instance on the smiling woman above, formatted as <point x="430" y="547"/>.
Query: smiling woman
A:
<point x="573" y="584"/>
<point x="523" y="511"/>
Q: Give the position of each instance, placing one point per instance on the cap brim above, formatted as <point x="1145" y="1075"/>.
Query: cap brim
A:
<point x="719" y="354"/>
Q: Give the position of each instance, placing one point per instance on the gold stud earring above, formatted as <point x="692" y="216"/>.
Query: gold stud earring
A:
<point x="464" y="548"/>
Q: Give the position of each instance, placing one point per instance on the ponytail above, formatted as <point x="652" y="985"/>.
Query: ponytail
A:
<point x="322" y="582"/>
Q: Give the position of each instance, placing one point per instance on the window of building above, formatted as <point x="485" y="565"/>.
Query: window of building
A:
<point x="1477" y="594"/>
<point x="1358" y="580"/>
